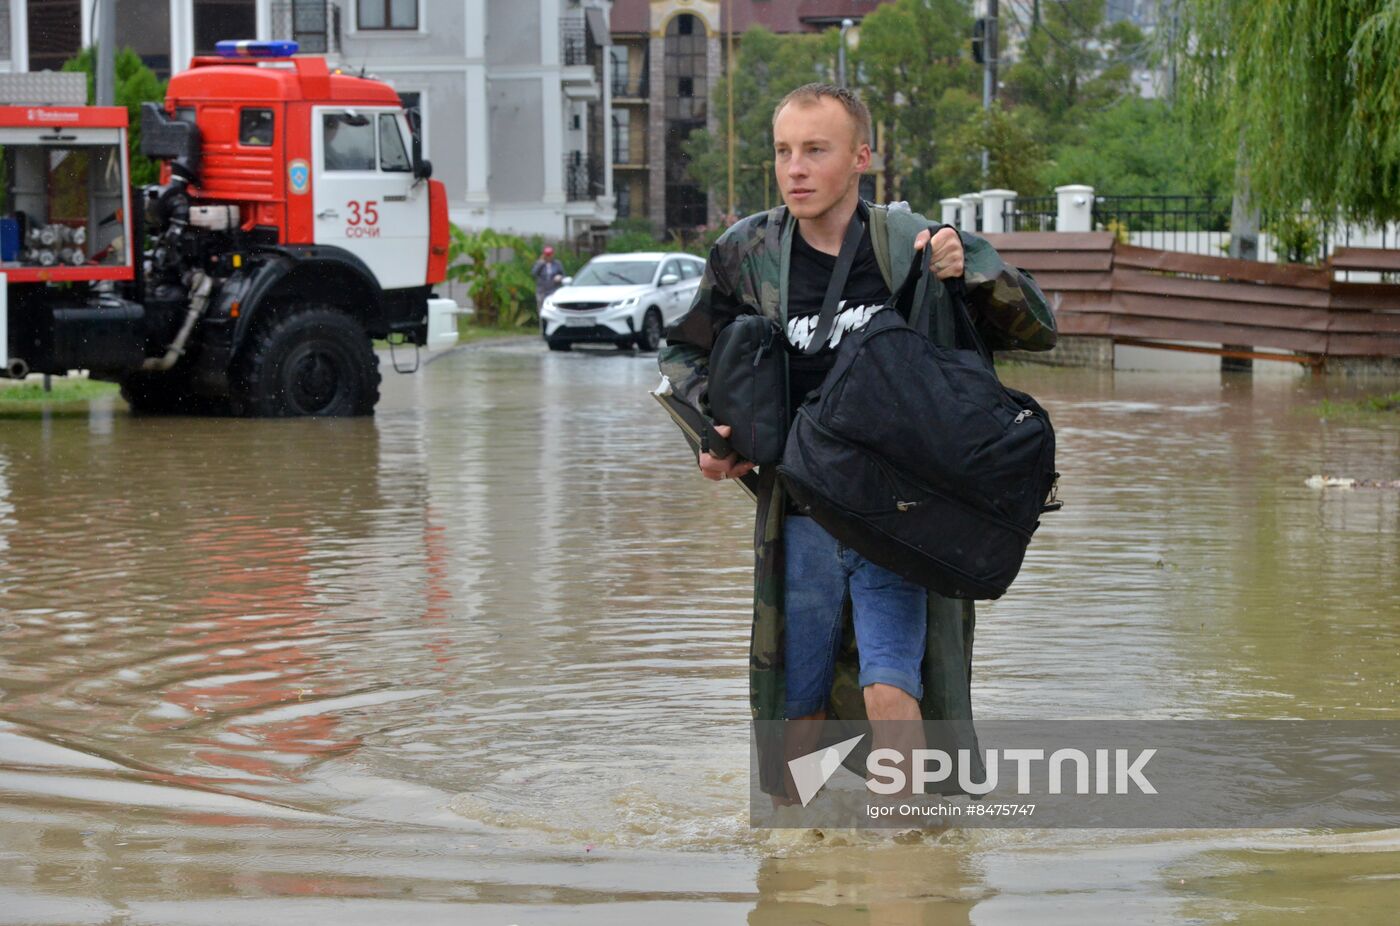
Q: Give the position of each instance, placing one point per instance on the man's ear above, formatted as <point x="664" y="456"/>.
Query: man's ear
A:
<point x="863" y="158"/>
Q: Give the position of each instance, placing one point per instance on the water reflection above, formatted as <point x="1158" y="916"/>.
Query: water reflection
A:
<point x="490" y="648"/>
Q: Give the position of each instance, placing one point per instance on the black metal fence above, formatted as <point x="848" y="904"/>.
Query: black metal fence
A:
<point x="313" y="24"/>
<point x="573" y="40"/>
<point x="629" y="87"/>
<point x="583" y="177"/>
<point x="1030" y="213"/>
<point x="1193" y="224"/>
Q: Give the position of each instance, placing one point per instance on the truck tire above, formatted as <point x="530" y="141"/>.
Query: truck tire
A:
<point x="167" y="393"/>
<point x="315" y="362"/>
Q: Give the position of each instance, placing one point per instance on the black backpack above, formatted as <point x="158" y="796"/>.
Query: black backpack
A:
<point x="918" y="458"/>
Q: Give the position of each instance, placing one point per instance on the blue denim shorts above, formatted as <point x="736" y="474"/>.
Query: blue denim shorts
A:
<point x="891" y="618"/>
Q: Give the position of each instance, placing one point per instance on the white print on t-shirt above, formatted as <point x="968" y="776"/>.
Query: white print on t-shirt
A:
<point x="801" y="329"/>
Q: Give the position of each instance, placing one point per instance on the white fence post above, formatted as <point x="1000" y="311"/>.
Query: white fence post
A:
<point x="994" y="209"/>
<point x="951" y="207"/>
<point x="970" y="202"/>
<point x="1075" y="211"/>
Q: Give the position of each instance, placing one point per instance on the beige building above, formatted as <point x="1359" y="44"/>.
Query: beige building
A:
<point x="664" y="61"/>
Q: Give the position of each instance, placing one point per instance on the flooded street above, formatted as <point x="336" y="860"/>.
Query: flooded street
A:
<point x="483" y="659"/>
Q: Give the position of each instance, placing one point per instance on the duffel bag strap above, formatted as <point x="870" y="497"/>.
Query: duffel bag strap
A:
<point x="964" y="331"/>
<point x="854" y="232"/>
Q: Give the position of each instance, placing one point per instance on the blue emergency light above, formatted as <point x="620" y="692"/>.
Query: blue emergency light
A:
<point x="246" y="48"/>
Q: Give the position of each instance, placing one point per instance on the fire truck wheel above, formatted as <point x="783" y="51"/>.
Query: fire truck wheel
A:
<point x="650" y="338"/>
<point x="316" y="362"/>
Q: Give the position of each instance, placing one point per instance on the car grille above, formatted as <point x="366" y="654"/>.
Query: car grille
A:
<point x="580" y="306"/>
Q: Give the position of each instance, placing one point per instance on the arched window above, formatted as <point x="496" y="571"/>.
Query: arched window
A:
<point x="686" y="101"/>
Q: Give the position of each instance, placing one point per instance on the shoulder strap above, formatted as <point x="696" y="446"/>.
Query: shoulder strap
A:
<point x="854" y="232"/>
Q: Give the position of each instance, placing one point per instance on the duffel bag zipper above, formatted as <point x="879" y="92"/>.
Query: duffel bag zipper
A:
<point x="1023" y="415"/>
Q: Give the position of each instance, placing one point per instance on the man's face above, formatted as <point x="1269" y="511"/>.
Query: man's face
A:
<point x="815" y="157"/>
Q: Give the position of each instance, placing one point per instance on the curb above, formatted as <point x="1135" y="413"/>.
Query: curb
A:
<point x="461" y="348"/>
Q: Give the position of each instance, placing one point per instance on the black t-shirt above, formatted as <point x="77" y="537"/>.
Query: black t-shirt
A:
<point x="809" y="272"/>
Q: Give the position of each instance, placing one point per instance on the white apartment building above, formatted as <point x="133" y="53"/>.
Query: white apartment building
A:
<point x="516" y="113"/>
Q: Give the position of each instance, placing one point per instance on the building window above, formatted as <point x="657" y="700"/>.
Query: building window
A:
<point x="255" y="128"/>
<point x="618" y="69"/>
<point x="686" y="72"/>
<point x="55" y="33"/>
<point x="624" y="201"/>
<point x="144" y="27"/>
<point x="622" y="141"/>
<point x="386" y="14"/>
<point x="313" y="24"/>
<point x="217" y="20"/>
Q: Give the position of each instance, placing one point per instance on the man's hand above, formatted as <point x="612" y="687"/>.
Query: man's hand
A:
<point x="946" y="255"/>
<point x="717" y="468"/>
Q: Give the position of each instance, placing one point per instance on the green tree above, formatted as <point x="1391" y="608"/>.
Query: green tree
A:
<point x="767" y="67"/>
<point x="1073" y="64"/>
<point x="135" y="85"/>
<point x="914" y="70"/>
<point x="1015" y="154"/>
<point x="1139" y="147"/>
<point x="1309" y="95"/>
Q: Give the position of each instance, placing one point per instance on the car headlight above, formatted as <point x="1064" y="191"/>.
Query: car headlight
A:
<point x="625" y="303"/>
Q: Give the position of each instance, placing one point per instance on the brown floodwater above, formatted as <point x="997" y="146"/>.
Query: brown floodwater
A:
<point x="482" y="658"/>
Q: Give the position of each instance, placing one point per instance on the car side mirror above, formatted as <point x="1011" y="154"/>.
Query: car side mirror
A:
<point x="669" y="279"/>
<point x="566" y="281"/>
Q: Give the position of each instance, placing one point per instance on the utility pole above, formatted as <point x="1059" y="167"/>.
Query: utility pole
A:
<point x="989" y="71"/>
<point x="846" y="25"/>
<point x="106" y="40"/>
<point x="729" y="78"/>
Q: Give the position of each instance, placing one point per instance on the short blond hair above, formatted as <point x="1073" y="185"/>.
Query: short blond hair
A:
<point x="808" y="94"/>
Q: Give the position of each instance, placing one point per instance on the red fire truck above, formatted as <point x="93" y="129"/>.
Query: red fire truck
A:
<point x="294" y="222"/>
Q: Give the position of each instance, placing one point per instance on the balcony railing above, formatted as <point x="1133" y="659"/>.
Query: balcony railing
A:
<point x="573" y="40"/>
<point x="629" y="87"/>
<point x="313" y="24"/>
<point x="583" y="177"/>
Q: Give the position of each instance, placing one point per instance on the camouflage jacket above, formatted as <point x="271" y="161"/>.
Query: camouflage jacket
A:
<point x="747" y="271"/>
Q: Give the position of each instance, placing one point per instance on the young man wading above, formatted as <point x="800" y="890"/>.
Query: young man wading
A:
<point x="913" y="648"/>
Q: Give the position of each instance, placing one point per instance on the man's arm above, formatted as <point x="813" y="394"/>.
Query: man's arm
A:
<point x="1014" y="311"/>
<point x="685" y="360"/>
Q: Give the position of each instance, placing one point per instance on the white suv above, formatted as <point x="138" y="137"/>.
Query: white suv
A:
<point x="624" y="299"/>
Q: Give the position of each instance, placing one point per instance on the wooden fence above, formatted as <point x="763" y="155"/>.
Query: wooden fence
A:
<point x="1102" y="287"/>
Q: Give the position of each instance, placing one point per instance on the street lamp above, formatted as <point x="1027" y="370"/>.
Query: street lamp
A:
<point x="846" y="25"/>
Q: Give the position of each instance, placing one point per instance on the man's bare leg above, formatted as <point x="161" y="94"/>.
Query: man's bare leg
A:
<point x="895" y="721"/>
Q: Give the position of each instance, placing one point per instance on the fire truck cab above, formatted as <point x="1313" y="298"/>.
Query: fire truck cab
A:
<point x="294" y="222"/>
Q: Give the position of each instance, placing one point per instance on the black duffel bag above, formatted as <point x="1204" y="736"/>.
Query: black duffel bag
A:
<point x="749" y="369"/>
<point x="918" y="458"/>
<point x="748" y="387"/>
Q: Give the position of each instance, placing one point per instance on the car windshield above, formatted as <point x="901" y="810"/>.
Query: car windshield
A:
<point x="616" y="273"/>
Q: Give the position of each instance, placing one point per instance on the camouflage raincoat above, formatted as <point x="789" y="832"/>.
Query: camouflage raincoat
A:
<point x="748" y="270"/>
